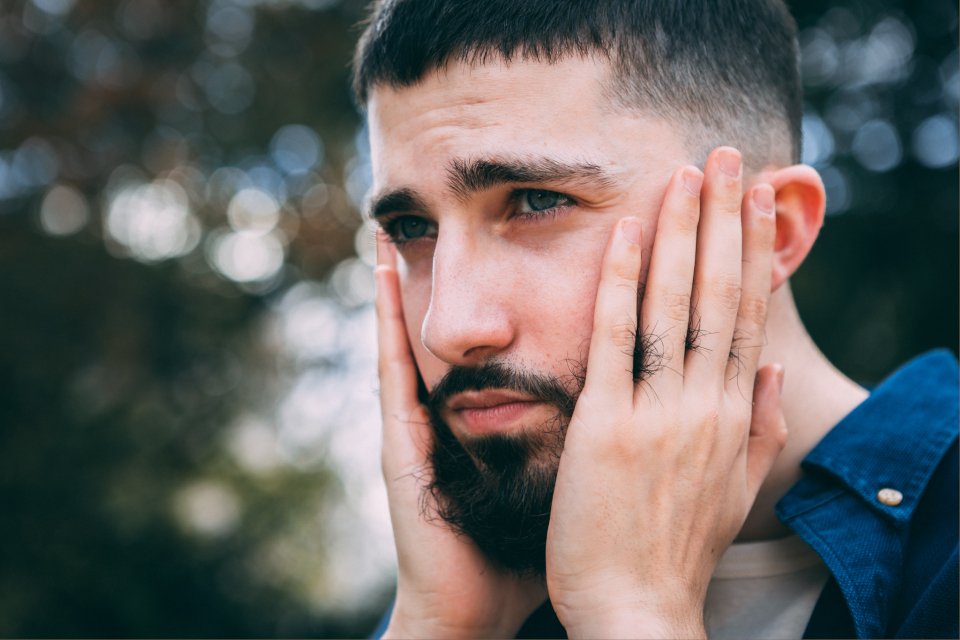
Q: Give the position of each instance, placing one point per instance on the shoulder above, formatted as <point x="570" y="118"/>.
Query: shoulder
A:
<point x="879" y="500"/>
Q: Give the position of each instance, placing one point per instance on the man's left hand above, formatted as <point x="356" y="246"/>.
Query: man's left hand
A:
<point x="658" y="474"/>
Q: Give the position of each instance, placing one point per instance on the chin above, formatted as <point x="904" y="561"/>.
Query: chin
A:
<point x="497" y="489"/>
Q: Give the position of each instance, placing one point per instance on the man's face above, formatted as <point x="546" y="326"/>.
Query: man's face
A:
<point x="501" y="185"/>
<point x="505" y="276"/>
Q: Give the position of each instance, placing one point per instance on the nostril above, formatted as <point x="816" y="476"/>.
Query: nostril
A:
<point x="461" y="333"/>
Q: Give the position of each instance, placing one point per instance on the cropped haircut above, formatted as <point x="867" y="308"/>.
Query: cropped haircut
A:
<point x="725" y="70"/>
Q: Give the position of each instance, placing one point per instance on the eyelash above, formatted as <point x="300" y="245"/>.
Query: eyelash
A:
<point x="389" y="222"/>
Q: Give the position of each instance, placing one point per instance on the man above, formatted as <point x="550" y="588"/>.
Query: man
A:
<point x="590" y="213"/>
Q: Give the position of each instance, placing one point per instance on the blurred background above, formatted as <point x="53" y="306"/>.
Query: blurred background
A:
<point x="189" y="434"/>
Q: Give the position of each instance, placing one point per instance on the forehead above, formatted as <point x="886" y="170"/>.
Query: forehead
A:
<point x="559" y="110"/>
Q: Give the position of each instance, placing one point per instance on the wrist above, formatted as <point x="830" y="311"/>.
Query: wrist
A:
<point x="625" y="613"/>
<point x="635" y="624"/>
<point x="443" y="621"/>
<point x="436" y="628"/>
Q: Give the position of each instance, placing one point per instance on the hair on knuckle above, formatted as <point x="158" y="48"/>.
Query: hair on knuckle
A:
<point x="623" y="335"/>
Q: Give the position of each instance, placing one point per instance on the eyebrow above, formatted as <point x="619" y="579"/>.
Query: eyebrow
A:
<point x="468" y="176"/>
<point x="395" y="201"/>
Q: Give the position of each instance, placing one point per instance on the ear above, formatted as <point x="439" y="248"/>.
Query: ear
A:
<point x="800" y="204"/>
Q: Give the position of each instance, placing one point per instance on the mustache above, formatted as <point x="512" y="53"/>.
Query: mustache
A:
<point x="499" y="375"/>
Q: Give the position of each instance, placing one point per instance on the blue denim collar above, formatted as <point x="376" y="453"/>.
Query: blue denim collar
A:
<point x="895" y="439"/>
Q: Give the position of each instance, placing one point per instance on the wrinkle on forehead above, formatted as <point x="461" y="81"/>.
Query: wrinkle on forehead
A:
<point x="476" y="97"/>
<point x="521" y="111"/>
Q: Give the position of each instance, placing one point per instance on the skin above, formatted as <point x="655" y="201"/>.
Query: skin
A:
<point x="659" y="478"/>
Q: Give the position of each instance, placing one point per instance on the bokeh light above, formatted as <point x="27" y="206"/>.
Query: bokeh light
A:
<point x="152" y="221"/>
<point x="253" y="210"/>
<point x="64" y="211"/>
<point x="876" y="146"/>
<point x="207" y="508"/>
<point x="935" y="142"/>
<point x="247" y="256"/>
<point x="296" y="149"/>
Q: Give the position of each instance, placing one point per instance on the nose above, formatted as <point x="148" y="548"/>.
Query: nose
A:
<point x="467" y="320"/>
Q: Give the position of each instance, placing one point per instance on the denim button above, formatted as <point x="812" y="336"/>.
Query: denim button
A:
<point x="889" y="497"/>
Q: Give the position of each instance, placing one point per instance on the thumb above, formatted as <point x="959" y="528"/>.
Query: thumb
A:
<point x="768" y="428"/>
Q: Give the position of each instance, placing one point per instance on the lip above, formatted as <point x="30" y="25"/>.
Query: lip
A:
<point x="491" y="411"/>
<point x="485" y="399"/>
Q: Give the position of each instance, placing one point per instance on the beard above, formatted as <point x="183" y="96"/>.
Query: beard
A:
<point x="498" y="488"/>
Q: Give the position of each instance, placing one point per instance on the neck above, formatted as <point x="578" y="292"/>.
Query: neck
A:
<point x="816" y="396"/>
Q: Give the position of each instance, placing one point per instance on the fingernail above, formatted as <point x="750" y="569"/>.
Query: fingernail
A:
<point x="692" y="181"/>
<point x="780" y="378"/>
<point x="730" y="163"/>
<point x="763" y="197"/>
<point x="631" y="230"/>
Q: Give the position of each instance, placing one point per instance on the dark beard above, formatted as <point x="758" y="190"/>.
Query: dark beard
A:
<point x="497" y="489"/>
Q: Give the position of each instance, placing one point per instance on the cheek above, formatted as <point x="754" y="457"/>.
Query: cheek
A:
<point x="565" y="294"/>
<point x="553" y="290"/>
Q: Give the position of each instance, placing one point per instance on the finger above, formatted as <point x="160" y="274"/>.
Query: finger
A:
<point x="386" y="250"/>
<point x="717" y="277"/>
<point x="610" y="361"/>
<point x="665" y="312"/>
<point x="407" y="435"/>
<point x="768" y="428"/>
<point x="396" y="366"/>
<point x="759" y="231"/>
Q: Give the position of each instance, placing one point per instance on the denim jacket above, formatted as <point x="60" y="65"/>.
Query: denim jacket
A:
<point x="892" y="555"/>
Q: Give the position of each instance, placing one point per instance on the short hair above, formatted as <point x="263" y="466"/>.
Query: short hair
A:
<point x="727" y="68"/>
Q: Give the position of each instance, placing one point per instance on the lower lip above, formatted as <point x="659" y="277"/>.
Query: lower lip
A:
<point x="499" y="417"/>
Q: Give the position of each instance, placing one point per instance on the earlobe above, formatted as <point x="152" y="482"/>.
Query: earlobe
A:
<point x="800" y="202"/>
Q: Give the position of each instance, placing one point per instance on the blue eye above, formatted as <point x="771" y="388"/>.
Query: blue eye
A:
<point x="542" y="200"/>
<point x="407" y="228"/>
<point x="537" y="201"/>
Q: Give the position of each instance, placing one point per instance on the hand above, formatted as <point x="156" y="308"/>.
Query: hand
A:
<point x="445" y="586"/>
<point x="657" y="476"/>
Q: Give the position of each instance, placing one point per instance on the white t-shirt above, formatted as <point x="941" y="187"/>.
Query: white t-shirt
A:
<point x="764" y="590"/>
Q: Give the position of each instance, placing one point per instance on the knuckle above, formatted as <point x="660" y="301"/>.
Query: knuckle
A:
<point x="710" y="418"/>
<point x="623" y="334"/>
<point x="625" y="271"/>
<point x="767" y="226"/>
<point x="728" y="198"/>
<point x="753" y="309"/>
<point x="660" y="444"/>
<point x="726" y="289"/>
<point x="687" y="220"/>
<point x="676" y="306"/>
<point x="762" y="234"/>
<point x="729" y="208"/>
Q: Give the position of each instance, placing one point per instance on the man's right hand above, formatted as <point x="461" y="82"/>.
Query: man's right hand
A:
<point x="445" y="586"/>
